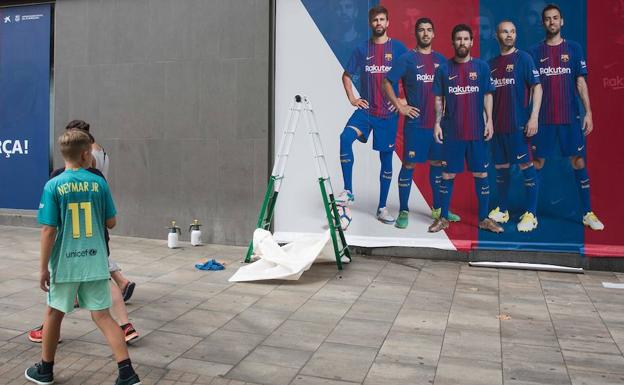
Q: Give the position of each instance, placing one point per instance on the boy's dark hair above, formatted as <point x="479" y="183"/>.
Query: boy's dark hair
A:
<point x="73" y="143"/>
<point x="550" y="7"/>
<point x="376" y="10"/>
<point x="80" y="125"/>
<point x="423" y="20"/>
<point x="461" y="28"/>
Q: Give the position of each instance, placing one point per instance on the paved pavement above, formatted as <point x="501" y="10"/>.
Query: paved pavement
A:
<point x="380" y="321"/>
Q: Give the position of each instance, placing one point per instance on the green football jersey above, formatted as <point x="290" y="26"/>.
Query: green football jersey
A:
<point x="77" y="203"/>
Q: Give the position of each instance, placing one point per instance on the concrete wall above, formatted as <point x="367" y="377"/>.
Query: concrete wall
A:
<point x="177" y="93"/>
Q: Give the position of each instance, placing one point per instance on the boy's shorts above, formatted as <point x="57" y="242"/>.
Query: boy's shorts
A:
<point x="511" y="148"/>
<point x="384" y="129"/>
<point x="92" y="295"/>
<point x="419" y="145"/>
<point x="474" y="152"/>
<point x="570" y="137"/>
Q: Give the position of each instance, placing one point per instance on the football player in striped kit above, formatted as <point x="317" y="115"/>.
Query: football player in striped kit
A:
<point x="369" y="63"/>
<point x="562" y="68"/>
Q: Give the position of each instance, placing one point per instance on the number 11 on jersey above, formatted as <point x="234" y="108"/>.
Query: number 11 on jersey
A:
<point x="75" y="215"/>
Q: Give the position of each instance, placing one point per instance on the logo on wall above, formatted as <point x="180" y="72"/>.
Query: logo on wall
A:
<point x="510" y="67"/>
<point x="472" y="75"/>
<point x="7" y="19"/>
<point x="565" y="58"/>
<point x="388" y="57"/>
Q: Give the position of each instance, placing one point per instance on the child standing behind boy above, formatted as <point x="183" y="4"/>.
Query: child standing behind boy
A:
<point x="73" y="210"/>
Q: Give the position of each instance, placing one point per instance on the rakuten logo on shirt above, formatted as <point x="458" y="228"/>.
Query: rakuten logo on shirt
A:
<point x="375" y="69"/>
<point x="425" y="78"/>
<point x="552" y="71"/>
<point x="502" y="82"/>
<point x="457" y="90"/>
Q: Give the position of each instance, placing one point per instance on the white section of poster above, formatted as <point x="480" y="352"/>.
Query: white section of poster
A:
<point x="305" y="64"/>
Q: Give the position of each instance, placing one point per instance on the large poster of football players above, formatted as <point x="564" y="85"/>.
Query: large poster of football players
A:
<point x="456" y="124"/>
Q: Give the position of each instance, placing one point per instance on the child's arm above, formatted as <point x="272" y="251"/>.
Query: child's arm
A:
<point x="111" y="222"/>
<point x="48" y="235"/>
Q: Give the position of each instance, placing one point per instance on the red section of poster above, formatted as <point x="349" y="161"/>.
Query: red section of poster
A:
<point x="445" y="15"/>
<point x="605" y="63"/>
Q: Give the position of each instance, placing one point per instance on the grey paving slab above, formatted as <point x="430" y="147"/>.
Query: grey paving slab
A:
<point x="338" y="293"/>
<point x="390" y="292"/>
<point x="435" y="301"/>
<point x="301" y="335"/>
<point x="262" y="373"/>
<point x="309" y="380"/>
<point x="411" y="349"/>
<point x="223" y="346"/>
<point x="198" y="322"/>
<point x="229" y="302"/>
<point x="533" y="365"/>
<point x="360" y="332"/>
<point x="594" y="362"/>
<point x="595" y="378"/>
<point x="482" y="345"/>
<point x="321" y="311"/>
<point x="420" y="322"/>
<point x="387" y="373"/>
<point x="340" y="362"/>
<point x="525" y="332"/>
<point x="289" y="358"/>
<point x="374" y="310"/>
<point x="467" y="371"/>
<point x="257" y="321"/>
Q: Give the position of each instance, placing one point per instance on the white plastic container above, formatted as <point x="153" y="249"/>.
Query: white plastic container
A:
<point x="173" y="236"/>
<point x="195" y="233"/>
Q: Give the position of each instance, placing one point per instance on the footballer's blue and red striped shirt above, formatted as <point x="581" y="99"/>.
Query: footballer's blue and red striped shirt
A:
<point x="559" y="66"/>
<point x="514" y="75"/>
<point x="417" y="71"/>
<point x="463" y="86"/>
<point x="368" y="66"/>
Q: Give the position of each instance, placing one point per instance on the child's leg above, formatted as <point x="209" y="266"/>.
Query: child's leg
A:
<point x="119" y="279"/>
<point x="112" y="332"/>
<point x="51" y="333"/>
<point x="119" y="307"/>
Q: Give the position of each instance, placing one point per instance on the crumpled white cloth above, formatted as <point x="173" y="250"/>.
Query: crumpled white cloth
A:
<point x="283" y="262"/>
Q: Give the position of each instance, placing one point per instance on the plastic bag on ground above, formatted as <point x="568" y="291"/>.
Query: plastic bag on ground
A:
<point x="283" y="262"/>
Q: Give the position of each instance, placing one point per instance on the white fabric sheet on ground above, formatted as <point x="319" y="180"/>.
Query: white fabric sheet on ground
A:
<point x="284" y="262"/>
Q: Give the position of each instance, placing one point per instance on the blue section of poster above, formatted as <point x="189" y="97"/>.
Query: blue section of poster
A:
<point x="559" y="207"/>
<point x="25" y="38"/>
<point x="343" y="23"/>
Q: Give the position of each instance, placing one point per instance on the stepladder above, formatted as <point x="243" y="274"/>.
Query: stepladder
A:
<point x="300" y="111"/>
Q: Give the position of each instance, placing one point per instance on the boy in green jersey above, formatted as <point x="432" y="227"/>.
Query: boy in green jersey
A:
<point x="75" y="207"/>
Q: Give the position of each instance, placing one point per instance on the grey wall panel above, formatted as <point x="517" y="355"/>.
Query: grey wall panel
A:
<point x="177" y="93"/>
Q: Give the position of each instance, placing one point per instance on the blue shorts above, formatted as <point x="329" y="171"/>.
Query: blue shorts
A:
<point x="384" y="130"/>
<point x="511" y="148"/>
<point x="474" y="152"/>
<point x="571" y="140"/>
<point x="419" y="145"/>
